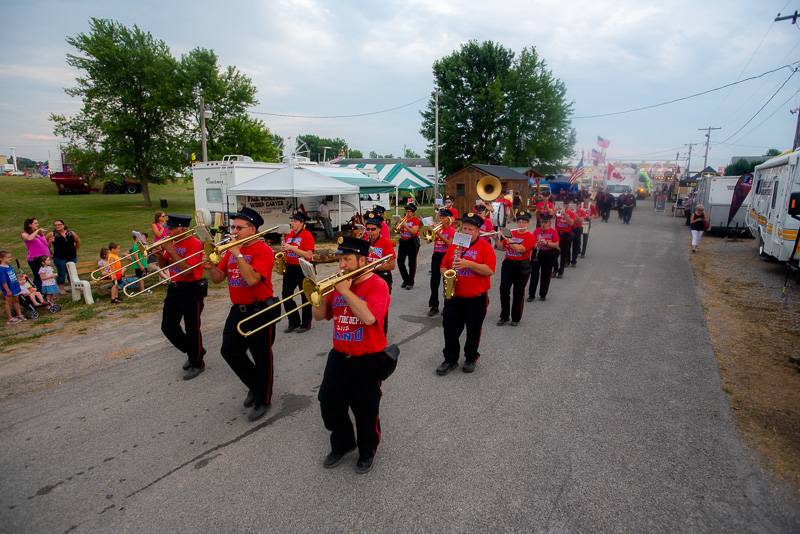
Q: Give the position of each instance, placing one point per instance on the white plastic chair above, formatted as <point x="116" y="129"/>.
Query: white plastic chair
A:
<point x="80" y="288"/>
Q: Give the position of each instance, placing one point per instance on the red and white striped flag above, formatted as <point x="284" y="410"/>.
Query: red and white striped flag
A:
<point x="577" y="172"/>
<point x="603" y="143"/>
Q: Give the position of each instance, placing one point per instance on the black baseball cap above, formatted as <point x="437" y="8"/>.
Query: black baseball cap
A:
<point x="250" y="215"/>
<point x="377" y="208"/>
<point x="372" y="217"/>
<point x="473" y="219"/>
<point x="523" y="215"/>
<point x="178" y="221"/>
<point x="411" y="207"/>
<point x="352" y="245"/>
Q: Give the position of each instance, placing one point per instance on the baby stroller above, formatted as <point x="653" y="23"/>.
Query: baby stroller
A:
<point x="27" y="305"/>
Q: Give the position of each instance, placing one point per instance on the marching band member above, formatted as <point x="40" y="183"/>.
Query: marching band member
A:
<point x="443" y="239"/>
<point x="299" y="243"/>
<point x="408" y="247"/>
<point x="544" y="206"/>
<point x="448" y="205"/>
<point x="357" y="308"/>
<point x="185" y="295"/>
<point x="590" y="213"/>
<point x="564" y="228"/>
<point x="487" y="225"/>
<point x="467" y="308"/>
<point x="515" y="269"/>
<point x="544" y="257"/>
<point x="248" y="270"/>
<point x="379" y="247"/>
<point x="380" y="210"/>
<point x="577" y="233"/>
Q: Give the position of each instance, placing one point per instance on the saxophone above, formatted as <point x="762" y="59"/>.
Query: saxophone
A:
<point x="450" y="279"/>
<point x="280" y="263"/>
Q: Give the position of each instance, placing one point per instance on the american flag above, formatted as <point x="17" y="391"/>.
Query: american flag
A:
<point x="577" y="172"/>
<point x="603" y="143"/>
<point x="598" y="157"/>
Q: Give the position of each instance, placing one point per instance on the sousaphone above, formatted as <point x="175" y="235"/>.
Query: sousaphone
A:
<point x="489" y="188"/>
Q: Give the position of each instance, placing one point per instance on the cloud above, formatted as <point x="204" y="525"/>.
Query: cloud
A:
<point x="40" y="137"/>
<point x="51" y="75"/>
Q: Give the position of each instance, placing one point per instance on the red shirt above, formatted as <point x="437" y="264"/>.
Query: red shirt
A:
<point x="186" y="247"/>
<point x="523" y="238"/>
<point x="405" y="230"/>
<point x="561" y="224"/>
<point x="544" y="205"/>
<point x="468" y="282"/>
<point x="385" y="230"/>
<point x="350" y="334"/>
<point x="571" y="214"/>
<point x="438" y="244"/>
<point x="380" y="248"/>
<point x="487" y="226"/>
<point x="260" y="256"/>
<point x="540" y="235"/>
<point x="579" y="219"/>
<point x="304" y="240"/>
<point x="505" y="202"/>
<point x="454" y="210"/>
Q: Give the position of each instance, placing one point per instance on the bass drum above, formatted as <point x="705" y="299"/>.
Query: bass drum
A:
<point x="498" y="215"/>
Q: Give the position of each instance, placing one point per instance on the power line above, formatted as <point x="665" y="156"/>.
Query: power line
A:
<point x="762" y="123"/>
<point x="338" y="116"/>
<point x="651" y="106"/>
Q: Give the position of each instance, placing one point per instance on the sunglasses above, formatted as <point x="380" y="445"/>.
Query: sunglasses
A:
<point x="237" y="227"/>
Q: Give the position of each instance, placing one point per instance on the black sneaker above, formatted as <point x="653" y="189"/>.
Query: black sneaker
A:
<point x="502" y="322"/>
<point x="301" y="329"/>
<point x="187" y="364"/>
<point x="335" y="458"/>
<point x="258" y="412"/>
<point x="469" y="367"/>
<point x="530" y="299"/>
<point x="364" y="465"/>
<point x="410" y="287"/>
<point x="193" y="372"/>
<point x="573" y="264"/>
<point x="542" y="298"/>
<point x="290" y="329"/>
<point x="445" y="367"/>
<point x="250" y="399"/>
<point x="560" y="275"/>
<point x="583" y="255"/>
<point x="403" y="285"/>
<point x="433" y="311"/>
<point x="514" y="323"/>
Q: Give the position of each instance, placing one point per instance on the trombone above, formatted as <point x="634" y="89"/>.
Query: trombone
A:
<point x="400" y="224"/>
<point x="314" y="290"/>
<point x="145" y="250"/>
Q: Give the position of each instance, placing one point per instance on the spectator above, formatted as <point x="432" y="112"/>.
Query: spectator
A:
<point x="65" y="249"/>
<point x="115" y="271"/>
<point x="29" y="290"/>
<point x="324" y="215"/>
<point x="35" y="241"/>
<point x="159" y="226"/>
<point x="48" y="278"/>
<point x="698" y="225"/>
<point x="9" y="286"/>
<point x="140" y="260"/>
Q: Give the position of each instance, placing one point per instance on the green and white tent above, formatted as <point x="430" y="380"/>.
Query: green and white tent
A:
<point x="398" y="175"/>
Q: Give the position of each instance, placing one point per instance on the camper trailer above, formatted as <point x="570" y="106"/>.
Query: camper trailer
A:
<point x="768" y="219"/>
<point x="715" y="193"/>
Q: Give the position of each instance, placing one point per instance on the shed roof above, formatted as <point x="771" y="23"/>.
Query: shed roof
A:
<point x="501" y="171"/>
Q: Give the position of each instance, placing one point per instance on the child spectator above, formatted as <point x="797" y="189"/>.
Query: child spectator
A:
<point x="115" y="271"/>
<point x="9" y="285"/>
<point x="140" y="260"/>
<point x="29" y="290"/>
<point x="48" y="278"/>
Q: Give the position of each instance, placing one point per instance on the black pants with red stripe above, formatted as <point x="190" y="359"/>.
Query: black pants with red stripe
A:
<point x="351" y="383"/>
<point x="184" y="302"/>
<point x="576" y="244"/>
<point x="541" y="266"/>
<point x="436" y="279"/>
<point x="387" y="277"/>
<point x="257" y="373"/>
<point x="407" y="252"/>
<point x="292" y="281"/>
<point x="458" y="313"/>
<point x="514" y="276"/>
<point x="565" y="244"/>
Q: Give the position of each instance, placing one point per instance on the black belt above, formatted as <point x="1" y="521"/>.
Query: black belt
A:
<point x="255" y="306"/>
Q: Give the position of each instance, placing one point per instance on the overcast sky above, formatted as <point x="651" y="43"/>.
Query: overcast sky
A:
<point x="315" y="57"/>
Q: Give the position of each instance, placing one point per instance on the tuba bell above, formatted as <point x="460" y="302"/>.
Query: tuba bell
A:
<point x="489" y="188"/>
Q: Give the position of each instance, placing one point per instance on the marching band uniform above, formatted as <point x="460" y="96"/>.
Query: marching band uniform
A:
<point x="440" y="244"/>
<point x="380" y="210"/>
<point x="577" y="233"/>
<point x="350" y="380"/>
<point x="246" y="300"/>
<point x="185" y="296"/>
<point x="515" y="270"/>
<point x="487" y="225"/>
<point x="591" y="213"/>
<point x="408" y="247"/>
<point x="379" y="247"/>
<point x="564" y="228"/>
<point x="544" y="257"/>
<point x="448" y="205"/>
<point x="468" y="306"/>
<point x="301" y="238"/>
<point x="544" y="206"/>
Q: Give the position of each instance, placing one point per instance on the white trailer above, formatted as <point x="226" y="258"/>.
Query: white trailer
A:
<point x="768" y="219"/>
<point x="715" y="193"/>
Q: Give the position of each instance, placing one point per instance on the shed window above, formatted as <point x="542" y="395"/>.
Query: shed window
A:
<point x="461" y="190"/>
<point x="214" y="195"/>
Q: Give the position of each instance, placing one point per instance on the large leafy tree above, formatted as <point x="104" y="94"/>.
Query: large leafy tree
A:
<point x="316" y="146"/>
<point x="495" y="107"/>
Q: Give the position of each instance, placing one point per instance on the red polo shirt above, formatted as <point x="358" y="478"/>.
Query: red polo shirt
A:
<point x="186" y="247"/>
<point x="540" y="235"/>
<point x="544" y="205"/>
<point x="438" y="244"/>
<point x="487" y="226"/>
<point x="405" y="230"/>
<point x="380" y="248"/>
<point x="523" y="238"/>
<point x="468" y="282"/>
<point x="303" y="239"/>
<point x="259" y="255"/>
<point x="350" y="334"/>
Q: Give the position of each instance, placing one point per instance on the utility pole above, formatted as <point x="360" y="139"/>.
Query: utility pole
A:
<point x="708" y="140"/>
<point x="796" y="129"/>
<point x="203" y="148"/>
<point x="794" y="17"/>
<point x="436" y="150"/>
<point x="689" y="159"/>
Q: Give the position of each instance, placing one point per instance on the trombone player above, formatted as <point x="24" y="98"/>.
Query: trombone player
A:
<point x="299" y="243"/>
<point x="186" y="294"/>
<point x="248" y="269"/>
<point x="443" y="239"/>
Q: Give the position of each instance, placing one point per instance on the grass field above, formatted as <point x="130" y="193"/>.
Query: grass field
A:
<point x="97" y="218"/>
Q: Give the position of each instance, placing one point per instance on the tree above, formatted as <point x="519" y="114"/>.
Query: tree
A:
<point x="498" y="109"/>
<point x="410" y="154"/>
<point x="353" y="153"/>
<point x="316" y="146"/>
<point x="744" y="166"/>
<point x="244" y="135"/>
<point x="373" y="154"/>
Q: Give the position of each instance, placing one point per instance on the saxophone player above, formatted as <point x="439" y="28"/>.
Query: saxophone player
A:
<point x="473" y="266"/>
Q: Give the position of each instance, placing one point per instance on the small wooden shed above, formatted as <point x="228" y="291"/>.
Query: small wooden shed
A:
<point x="462" y="184"/>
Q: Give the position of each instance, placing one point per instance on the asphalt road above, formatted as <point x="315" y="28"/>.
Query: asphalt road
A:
<point x="602" y="411"/>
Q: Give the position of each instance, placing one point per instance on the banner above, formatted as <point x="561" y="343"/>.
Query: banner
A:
<point x="740" y="193"/>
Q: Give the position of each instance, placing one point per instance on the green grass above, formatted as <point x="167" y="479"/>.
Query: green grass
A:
<point x="98" y="219"/>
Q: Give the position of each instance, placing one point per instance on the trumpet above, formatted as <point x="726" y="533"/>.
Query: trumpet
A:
<point x="280" y="263"/>
<point x="429" y="232"/>
<point x="314" y="290"/>
<point x="400" y="224"/>
<point x="145" y="250"/>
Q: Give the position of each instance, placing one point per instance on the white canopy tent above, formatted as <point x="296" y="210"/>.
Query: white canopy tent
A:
<point x="293" y="181"/>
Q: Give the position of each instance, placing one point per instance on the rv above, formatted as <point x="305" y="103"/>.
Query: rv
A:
<point x="715" y="193"/>
<point x="768" y="219"/>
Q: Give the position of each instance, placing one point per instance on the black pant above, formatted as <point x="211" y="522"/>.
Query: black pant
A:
<point x="387" y="277"/>
<point x="565" y="244"/>
<point x="514" y="275"/>
<point x="293" y="280"/>
<point x="627" y="211"/>
<point x="576" y="244"/>
<point x="256" y="374"/>
<point x="351" y="383"/>
<point x="185" y="301"/>
<point x="585" y="238"/>
<point x="436" y="278"/>
<point x="460" y="312"/>
<point x="36" y="264"/>
<point x="605" y="212"/>
<point x="407" y="251"/>
<point x="542" y="264"/>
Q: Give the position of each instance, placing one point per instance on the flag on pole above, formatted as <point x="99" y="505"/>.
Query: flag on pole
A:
<point x="598" y="158"/>
<point x="577" y="172"/>
<point x="612" y="173"/>
<point x="603" y="143"/>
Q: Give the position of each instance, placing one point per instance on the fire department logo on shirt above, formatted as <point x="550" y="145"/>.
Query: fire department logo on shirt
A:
<point x="174" y="270"/>
<point x="377" y="251"/>
<point x="296" y="241"/>
<point x="472" y="255"/>
<point x="234" y="276"/>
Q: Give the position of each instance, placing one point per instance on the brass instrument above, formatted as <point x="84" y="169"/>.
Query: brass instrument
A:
<point x="429" y="232"/>
<point x="145" y="250"/>
<point x="280" y="263"/>
<point x="314" y="290"/>
<point x="400" y="224"/>
<point x="449" y="283"/>
<point x="489" y="188"/>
